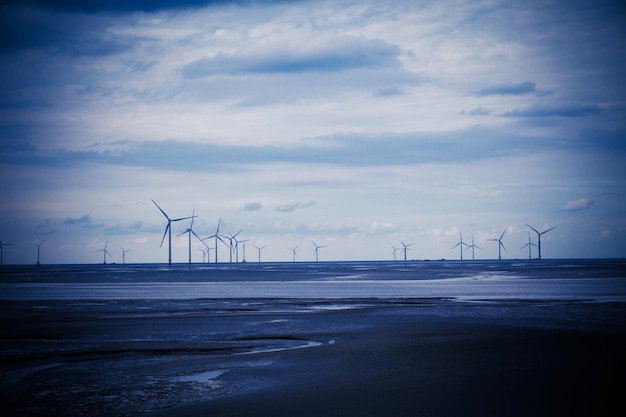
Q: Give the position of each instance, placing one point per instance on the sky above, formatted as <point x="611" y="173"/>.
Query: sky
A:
<point x="357" y="125"/>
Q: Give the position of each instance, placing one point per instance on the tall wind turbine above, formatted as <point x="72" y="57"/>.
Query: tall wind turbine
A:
<point x="530" y="245"/>
<point x="394" y="252"/>
<point x="317" y="251"/>
<point x="293" y="250"/>
<point x="461" y="243"/>
<point x="124" y="254"/>
<point x="244" y="249"/>
<point x="38" y="244"/>
<point x="405" y="247"/>
<point x="473" y="247"/>
<point x="190" y="231"/>
<point x="217" y="237"/>
<point x="500" y="244"/>
<point x="539" y="237"/>
<point x="259" y="249"/>
<point x="168" y="231"/>
<point x="105" y="252"/>
<point x="2" y="245"/>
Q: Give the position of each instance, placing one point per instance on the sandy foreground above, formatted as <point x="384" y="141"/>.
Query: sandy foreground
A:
<point x="312" y="358"/>
<point x="440" y="367"/>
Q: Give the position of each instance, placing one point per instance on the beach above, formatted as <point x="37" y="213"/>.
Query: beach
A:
<point x="147" y="347"/>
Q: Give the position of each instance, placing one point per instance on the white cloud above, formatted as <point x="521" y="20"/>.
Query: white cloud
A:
<point x="579" y="204"/>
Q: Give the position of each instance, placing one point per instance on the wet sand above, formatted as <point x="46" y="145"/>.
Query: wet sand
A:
<point x="440" y="367"/>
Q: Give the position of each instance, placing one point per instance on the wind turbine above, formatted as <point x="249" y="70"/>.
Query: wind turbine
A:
<point x="2" y="245"/>
<point x="235" y="248"/>
<point x="244" y="250"/>
<point x="500" y="244"/>
<point x="394" y="252"/>
<point x="472" y="246"/>
<point x="231" y="246"/>
<point x="405" y="247"/>
<point x="461" y="243"/>
<point x="316" y="251"/>
<point x="217" y="237"/>
<point x="539" y="237"/>
<point x="530" y="245"/>
<point x="124" y="254"/>
<point x="190" y="231"/>
<point x="259" y="249"/>
<point x="105" y="252"/>
<point x="168" y="231"/>
<point x="38" y="244"/>
<point x="294" y="251"/>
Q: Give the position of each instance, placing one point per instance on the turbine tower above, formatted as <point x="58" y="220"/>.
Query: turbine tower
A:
<point x="190" y="231"/>
<point x="259" y="249"/>
<point x="124" y="254"/>
<point x="530" y="245"/>
<point x="168" y="231"/>
<point x="316" y="251"/>
<point x="405" y="247"/>
<point x="38" y="244"/>
<point x="539" y="237"/>
<point x="2" y="245"/>
<point x="473" y="247"/>
<point x="293" y="250"/>
<point x="461" y="243"/>
<point x="105" y="252"/>
<point x="500" y="244"/>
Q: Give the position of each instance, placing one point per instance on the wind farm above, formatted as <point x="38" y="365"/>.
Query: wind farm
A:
<point x="236" y="245"/>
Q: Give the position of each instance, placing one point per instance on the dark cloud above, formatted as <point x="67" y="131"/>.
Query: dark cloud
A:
<point x="566" y="110"/>
<point x="291" y="207"/>
<point x="85" y="219"/>
<point x="510" y="89"/>
<point x="125" y="6"/>
<point x="23" y="28"/>
<point x="253" y="206"/>
<point x="343" y="53"/>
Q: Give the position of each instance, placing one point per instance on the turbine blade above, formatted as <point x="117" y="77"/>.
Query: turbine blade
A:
<point x="165" y="233"/>
<point x="502" y="235"/>
<point x="193" y="214"/>
<point x="182" y="218"/>
<point x="546" y="231"/>
<point x="180" y="234"/>
<point x="535" y="230"/>
<point x="160" y="209"/>
<point x="197" y="237"/>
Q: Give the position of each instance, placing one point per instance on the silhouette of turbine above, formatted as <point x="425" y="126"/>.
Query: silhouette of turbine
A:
<point x="168" y="231"/>
<point x="539" y="237"/>
<point x="124" y="254"/>
<point x="394" y="252"/>
<point x="2" y="245"/>
<point x="461" y="243"/>
<point x="38" y="244"/>
<point x="293" y="250"/>
<point x="217" y="237"/>
<point x="259" y="249"/>
<point x="530" y="245"/>
<point x="316" y="251"/>
<point x="473" y="247"/>
<point x="405" y="247"/>
<point x="105" y="252"/>
<point x="500" y="244"/>
<point x="189" y="232"/>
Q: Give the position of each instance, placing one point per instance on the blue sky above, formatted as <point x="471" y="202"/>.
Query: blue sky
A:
<point x="355" y="124"/>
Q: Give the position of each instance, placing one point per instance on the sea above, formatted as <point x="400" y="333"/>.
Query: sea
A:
<point x="134" y="339"/>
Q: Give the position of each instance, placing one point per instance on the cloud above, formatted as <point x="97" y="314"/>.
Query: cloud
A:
<point x="479" y="111"/>
<point x="566" y="110"/>
<point x="578" y="205"/>
<point x="509" y="89"/>
<point x="289" y="208"/>
<point x="85" y="219"/>
<point x="253" y="206"/>
<point x="329" y="55"/>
